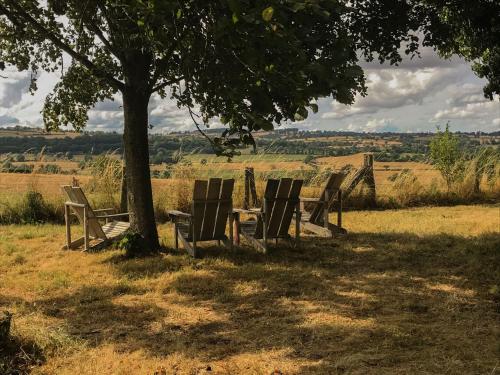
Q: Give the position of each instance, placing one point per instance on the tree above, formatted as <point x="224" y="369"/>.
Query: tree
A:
<point x="470" y="29"/>
<point x="252" y="64"/>
<point x="446" y="155"/>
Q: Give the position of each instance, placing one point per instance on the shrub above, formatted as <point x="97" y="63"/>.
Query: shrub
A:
<point x="49" y="169"/>
<point x="446" y="156"/>
<point x="133" y="244"/>
<point x="30" y="209"/>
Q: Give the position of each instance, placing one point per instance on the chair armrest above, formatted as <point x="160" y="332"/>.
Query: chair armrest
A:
<point x="110" y="210"/>
<point x="72" y="204"/>
<point x="112" y="215"/>
<point x="180" y="214"/>
<point x="314" y="200"/>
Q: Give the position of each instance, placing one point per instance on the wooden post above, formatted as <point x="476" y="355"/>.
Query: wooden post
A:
<point x="250" y="189"/>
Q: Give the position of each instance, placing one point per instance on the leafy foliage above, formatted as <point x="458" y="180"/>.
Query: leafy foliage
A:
<point x="253" y="64"/>
<point x="446" y="155"/>
<point x="470" y="29"/>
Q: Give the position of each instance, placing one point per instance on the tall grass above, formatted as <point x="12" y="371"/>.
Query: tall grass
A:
<point x="479" y="182"/>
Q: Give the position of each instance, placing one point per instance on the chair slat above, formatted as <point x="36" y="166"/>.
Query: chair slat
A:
<point x="226" y="193"/>
<point x="94" y="226"/>
<point x="76" y="195"/>
<point x="332" y="186"/>
<point x="293" y="200"/>
<point x="270" y="193"/>
<point x="276" y="213"/>
<point x="211" y="206"/>
<point x="198" y="210"/>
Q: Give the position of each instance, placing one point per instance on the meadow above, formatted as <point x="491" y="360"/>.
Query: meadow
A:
<point x="406" y="291"/>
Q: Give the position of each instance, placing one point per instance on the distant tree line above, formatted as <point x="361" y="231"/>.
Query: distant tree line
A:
<point x="168" y="148"/>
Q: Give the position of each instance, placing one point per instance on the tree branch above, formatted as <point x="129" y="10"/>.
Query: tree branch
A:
<point x="167" y="83"/>
<point x="57" y="41"/>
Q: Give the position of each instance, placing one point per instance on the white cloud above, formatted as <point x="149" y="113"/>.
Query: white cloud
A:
<point x="13" y="87"/>
<point x="393" y="88"/>
<point x="373" y="126"/>
<point x="410" y="97"/>
<point x="468" y="103"/>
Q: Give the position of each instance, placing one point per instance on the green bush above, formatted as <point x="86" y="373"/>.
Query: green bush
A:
<point x="30" y="209"/>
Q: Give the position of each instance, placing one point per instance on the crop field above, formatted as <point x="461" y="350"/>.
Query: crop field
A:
<point x="406" y="291"/>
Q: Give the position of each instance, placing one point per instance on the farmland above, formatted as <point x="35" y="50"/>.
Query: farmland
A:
<point x="403" y="174"/>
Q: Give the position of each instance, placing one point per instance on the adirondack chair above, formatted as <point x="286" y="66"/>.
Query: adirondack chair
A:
<point x="210" y="210"/>
<point x="281" y="201"/>
<point x="89" y="218"/>
<point x="315" y="218"/>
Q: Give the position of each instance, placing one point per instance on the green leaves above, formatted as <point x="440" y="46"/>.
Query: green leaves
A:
<point x="267" y="14"/>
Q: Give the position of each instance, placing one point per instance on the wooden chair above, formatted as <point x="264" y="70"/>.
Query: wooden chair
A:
<point x="281" y="201"/>
<point x="89" y="218"/>
<point x="211" y="207"/>
<point x="315" y="218"/>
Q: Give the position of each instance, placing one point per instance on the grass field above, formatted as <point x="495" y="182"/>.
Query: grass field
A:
<point x="405" y="292"/>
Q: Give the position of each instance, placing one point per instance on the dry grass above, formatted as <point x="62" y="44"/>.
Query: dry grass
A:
<point x="409" y="291"/>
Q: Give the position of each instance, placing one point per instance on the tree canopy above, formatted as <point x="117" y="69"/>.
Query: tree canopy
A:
<point x="253" y="64"/>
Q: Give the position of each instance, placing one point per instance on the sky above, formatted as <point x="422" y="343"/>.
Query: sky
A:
<point x="416" y="96"/>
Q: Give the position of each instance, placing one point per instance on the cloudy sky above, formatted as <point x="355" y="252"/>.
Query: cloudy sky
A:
<point x="418" y="95"/>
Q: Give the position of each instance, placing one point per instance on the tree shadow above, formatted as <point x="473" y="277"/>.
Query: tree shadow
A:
<point x="369" y="302"/>
<point x="19" y="357"/>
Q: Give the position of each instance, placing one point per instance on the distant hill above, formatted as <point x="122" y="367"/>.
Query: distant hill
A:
<point x="23" y="131"/>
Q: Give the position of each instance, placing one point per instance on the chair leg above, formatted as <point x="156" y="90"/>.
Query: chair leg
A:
<point x="68" y="227"/>
<point x="85" y="230"/>
<point x="176" y="236"/>
<point x="339" y="210"/>
<point x="298" y="217"/>
<point x="231" y="234"/>
<point x="236" y="228"/>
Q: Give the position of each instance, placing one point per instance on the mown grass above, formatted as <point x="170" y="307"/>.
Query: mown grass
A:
<point x="409" y="291"/>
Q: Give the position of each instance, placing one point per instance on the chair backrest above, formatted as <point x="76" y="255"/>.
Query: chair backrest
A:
<point x="212" y="203"/>
<point x="332" y="187"/>
<point x="281" y="198"/>
<point x="75" y="194"/>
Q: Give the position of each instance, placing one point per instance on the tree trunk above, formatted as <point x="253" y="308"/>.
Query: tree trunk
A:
<point x="123" y="194"/>
<point x="136" y="150"/>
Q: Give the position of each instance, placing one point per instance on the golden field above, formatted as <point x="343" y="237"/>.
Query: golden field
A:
<point x="412" y="291"/>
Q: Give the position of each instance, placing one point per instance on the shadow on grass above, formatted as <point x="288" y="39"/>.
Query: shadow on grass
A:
<point x="19" y="357"/>
<point x="366" y="302"/>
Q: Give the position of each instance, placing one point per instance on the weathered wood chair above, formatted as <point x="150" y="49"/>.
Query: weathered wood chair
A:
<point x="315" y="210"/>
<point x="281" y="201"/>
<point x="211" y="207"/>
<point x="89" y="218"/>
